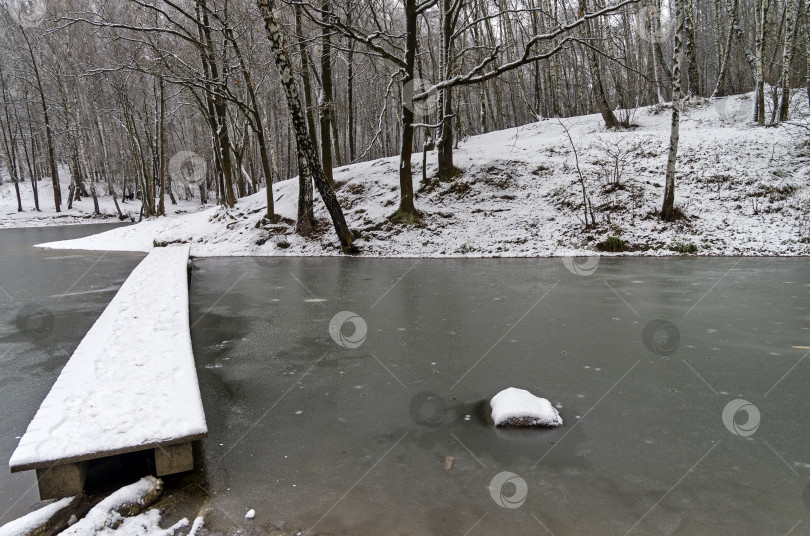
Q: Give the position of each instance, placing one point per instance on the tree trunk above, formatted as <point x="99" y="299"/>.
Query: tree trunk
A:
<point x="720" y="87"/>
<point x="326" y="95"/>
<point x="305" y="82"/>
<point x="791" y="33"/>
<point x="350" y="87"/>
<point x="407" y="212"/>
<point x="162" y="150"/>
<point x="599" y="90"/>
<point x="762" y="33"/>
<point x="445" y="139"/>
<point x="694" y="76"/>
<point x="221" y="113"/>
<point x="19" y="199"/>
<point x="668" y="209"/>
<point x="306" y="150"/>
<point x="57" y="191"/>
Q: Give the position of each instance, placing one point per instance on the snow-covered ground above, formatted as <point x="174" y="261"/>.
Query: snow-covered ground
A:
<point x="742" y="189"/>
<point x="81" y="212"/>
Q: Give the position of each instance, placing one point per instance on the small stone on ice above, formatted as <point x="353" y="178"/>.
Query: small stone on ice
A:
<point x="251" y="514"/>
<point x="519" y="408"/>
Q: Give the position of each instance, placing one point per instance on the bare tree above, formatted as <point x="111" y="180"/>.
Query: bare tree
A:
<point x="668" y="209"/>
<point x="306" y="151"/>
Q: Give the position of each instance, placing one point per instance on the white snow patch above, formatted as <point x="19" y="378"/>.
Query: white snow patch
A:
<point x="132" y="380"/>
<point x="143" y="524"/>
<point x="250" y="514"/>
<point x="520" y="405"/>
<point x="196" y="526"/>
<point x="35" y="519"/>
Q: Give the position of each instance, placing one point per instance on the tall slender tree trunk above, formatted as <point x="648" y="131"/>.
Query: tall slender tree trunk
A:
<point x="306" y="150"/>
<point x="720" y="87"/>
<point x="350" y="86"/>
<point x="668" y="209"/>
<point x="596" y="76"/>
<point x="305" y="80"/>
<point x="807" y="49"/>
<point x="691" y="56"/>
<point x="445" y="140"/>
<point x="694" y="74"/>
<point x="162" y="149"/>
<point x="791" y="34"/>
<point x="57" y="190"/>
<point x="106" y="166"/>
<point x="762" y="33"/>
<point x="407" y="211"/>
<point x="326" y="103"/>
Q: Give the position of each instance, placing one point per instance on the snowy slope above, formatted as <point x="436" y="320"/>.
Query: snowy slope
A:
<point x="131" y="382"/>
<point x="742" y="188"/>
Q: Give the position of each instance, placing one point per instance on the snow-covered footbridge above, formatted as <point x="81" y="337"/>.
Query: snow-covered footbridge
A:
<point x="131" y="385"/>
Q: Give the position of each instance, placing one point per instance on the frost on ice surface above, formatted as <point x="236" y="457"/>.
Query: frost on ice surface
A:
<point x="514" y="407"/>
<point x="30" y="522"/>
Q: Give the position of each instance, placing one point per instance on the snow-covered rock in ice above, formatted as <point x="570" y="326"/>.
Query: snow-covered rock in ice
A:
<point x="514" y="407"/>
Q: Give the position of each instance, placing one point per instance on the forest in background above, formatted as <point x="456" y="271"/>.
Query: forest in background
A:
<point x="217" y="98"/>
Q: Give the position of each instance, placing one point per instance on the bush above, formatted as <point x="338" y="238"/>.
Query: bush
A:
<point x="684" y="248"/>
<point x="612" y="243"/>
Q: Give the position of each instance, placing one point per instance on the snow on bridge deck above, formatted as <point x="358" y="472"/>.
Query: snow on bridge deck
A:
<point x="131" y="384"/>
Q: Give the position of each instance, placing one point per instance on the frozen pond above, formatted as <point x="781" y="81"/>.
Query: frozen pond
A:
<point x="351" y="435"/>
<point x="345" y="440"/>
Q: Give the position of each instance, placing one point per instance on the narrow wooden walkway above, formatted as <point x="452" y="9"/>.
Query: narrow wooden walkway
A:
<point x="131" y="385"/>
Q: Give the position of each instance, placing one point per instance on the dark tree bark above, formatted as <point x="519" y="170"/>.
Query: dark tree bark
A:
<point x="720" y="88"/>
<point x="305" y="81"/>
<point x="407" y="211"/>
<point x="599" y="89"/>
<point x="694" y="75"/>
<point x="762" y="34"/>
<point x="57" y="190"/>
<point x="326" y="103"/>
<point x="350" y="87"/>
<point x="444" y="142"/>
<point x="791" y="34"/>
<point x="306" y="150"/>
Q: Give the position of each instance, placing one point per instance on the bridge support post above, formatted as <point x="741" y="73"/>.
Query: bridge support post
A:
<point x="58" y="481"/>
<point x="174" y="459"/>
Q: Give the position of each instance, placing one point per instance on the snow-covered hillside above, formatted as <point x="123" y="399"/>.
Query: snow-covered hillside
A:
<point x="742" y="189"/>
